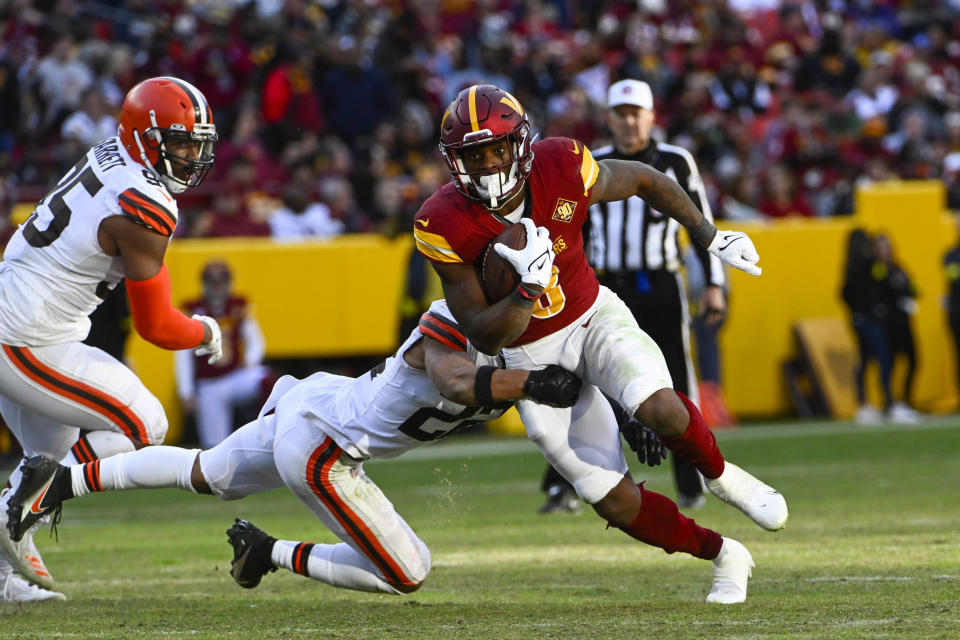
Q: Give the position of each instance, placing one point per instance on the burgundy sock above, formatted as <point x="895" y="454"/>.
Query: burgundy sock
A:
<point x="697" y="444"/>
<point x="660" y="523"/>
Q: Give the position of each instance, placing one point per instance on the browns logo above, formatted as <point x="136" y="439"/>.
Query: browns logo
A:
<point x="564" y="210"/>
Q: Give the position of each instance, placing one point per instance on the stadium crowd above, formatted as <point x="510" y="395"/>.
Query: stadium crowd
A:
<point x="328" y="110"/>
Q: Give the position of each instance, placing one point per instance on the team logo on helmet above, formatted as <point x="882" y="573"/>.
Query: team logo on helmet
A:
<point x="478" y="116"/>
<point x="167" y="125"/>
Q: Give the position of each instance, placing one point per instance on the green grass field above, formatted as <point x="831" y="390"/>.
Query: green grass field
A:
<point x="872" y="550"/>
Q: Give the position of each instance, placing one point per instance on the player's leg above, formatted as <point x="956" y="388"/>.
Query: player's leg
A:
<point x="214" y="411"/>
<point x="627" y="364"/>
<point x="380" y="552"/>
<point x="583" y="443"/>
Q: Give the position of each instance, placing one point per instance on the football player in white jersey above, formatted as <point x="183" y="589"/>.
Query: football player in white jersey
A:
<point x="111" y="217"/>
<point x="313" y="436"/>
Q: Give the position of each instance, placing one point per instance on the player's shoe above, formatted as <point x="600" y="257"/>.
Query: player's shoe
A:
<point x="761" y="503"/>
<point x="23" y="554"/>
<point x="36" y="496"/>
<point x="900" y="413"/>
<point x="732" y="569"/>
<point x="685" y="501"/>
<point x="13" y="588"/>
<point x="561" y="499"/>
<point x="251" y="553"/>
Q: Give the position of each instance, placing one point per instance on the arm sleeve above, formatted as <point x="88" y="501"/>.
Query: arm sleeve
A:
<point x="254" y="346"/>
<point x="156" y="320"/>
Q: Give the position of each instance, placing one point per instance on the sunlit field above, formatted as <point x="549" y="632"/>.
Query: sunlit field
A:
<point x="872" y="550"/>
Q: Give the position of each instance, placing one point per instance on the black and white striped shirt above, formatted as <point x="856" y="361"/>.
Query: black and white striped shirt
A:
<point x="628" y="235"/>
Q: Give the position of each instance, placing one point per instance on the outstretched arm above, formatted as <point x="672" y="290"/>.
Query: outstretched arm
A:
<point x="620" y="179"/>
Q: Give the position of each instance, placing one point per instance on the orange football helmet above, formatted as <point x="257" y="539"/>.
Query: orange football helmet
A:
<point x="161" y="120"/>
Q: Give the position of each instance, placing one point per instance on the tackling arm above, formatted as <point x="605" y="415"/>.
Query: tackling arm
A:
<point x="457" y="377"/>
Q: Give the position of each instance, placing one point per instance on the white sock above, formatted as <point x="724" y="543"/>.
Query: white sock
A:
<point x="156" y="467"/>
<point x="338" y="565"/>
<point x="97" y="444"/>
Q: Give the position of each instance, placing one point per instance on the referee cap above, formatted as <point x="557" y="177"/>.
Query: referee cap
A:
<point x="632" y="92"/>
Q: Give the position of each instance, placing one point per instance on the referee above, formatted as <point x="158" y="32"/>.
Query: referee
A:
<point x="633" y="249"/>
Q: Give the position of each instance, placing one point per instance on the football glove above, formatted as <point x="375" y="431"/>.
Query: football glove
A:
<point x="647" y="444"/>
<point x="553" y="386"/>
<point x="736" y="249"/>
<point x="534" y="263"/>
<point x="214" y="346"/>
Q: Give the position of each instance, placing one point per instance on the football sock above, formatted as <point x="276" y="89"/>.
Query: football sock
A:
<point x="697" y="445"/>
<point x="156" y="467"/>
<point x="660" y="523"/>
<point x="97" y="444"/>
<point x="338" y="565"/>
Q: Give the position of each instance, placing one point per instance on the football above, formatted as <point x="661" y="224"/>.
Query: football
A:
<point x="496" y="274"/>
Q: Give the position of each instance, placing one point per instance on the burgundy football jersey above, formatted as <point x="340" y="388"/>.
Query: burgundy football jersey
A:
<point x="450" y="228"/>
<point x="230" y="322"/>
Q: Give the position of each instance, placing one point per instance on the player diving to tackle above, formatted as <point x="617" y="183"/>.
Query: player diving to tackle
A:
<point x="110" y="217"/>
<point x="559" y="314"/>
<point x="313" y="437"/>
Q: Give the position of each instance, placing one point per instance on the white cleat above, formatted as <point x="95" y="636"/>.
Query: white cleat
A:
<point x="732" y="569"/>
<point x="761" y="503"/>
<point x="23" y="555"/>
<point x="13" y="588"/>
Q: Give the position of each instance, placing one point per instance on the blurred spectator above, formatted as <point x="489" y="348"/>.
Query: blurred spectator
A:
<point x="782" y="198"/>
<point x="951" y="265"/>
<point x="900" y="301"/>
<point x="863" y="294"/>
<point x="90" y="124"/>
<point x="300" y="219"/>
<point x="211" y="392"/>
<point x="62" y="78"/>
<point x="337" y="193"/>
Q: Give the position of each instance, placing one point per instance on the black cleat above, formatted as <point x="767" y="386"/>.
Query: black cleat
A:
<point x="561" y="499"/>
<point x="38" y="494"/>
<point x="251" y="553"/>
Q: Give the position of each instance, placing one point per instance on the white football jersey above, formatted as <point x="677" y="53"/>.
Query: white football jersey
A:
<point x="54" y="272"/>
<point x="390" y="409"/>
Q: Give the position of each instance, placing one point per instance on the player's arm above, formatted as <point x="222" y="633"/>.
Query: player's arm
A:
<point x="620" y="179"/>
<point x="489" y="328"/>
<point x="141" y="251"/>
<point x="459" y="379"/>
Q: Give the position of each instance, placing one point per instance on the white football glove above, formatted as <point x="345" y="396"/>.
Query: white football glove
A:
<point x="215" y="346"/>
<point x="736" y="249"/>
<point x="534" y="263"/>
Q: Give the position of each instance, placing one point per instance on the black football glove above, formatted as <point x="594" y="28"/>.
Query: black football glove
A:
<point x="650" y="449"/>
<point x="553" y="386"/>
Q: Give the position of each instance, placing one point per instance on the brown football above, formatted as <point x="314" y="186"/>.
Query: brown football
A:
<point x="496" y="274"/>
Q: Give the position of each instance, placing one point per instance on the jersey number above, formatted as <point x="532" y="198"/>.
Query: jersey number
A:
<point x="59" y="208"/>
<point x="552" y="301"/>
<point x="413" y="425"/>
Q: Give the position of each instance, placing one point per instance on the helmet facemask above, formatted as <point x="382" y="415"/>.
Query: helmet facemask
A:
<point x="179" y="172"/>
<point x="493" y="186"/>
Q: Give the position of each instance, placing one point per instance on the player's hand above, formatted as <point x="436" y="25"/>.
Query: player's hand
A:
<point x="647" y="444"/>
<point x="213" y="346"/>
<point x="737" y="250"/>
<point x="553" y="386"/>
<point x="534" y="263"/>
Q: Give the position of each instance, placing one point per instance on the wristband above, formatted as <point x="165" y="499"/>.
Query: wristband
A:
<point x="703" y="233"/>
<point x="482" y="386"/>
<point x="524" y="295"/>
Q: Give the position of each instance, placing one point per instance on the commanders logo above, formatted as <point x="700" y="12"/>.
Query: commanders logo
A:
<point x="564" y="210"/>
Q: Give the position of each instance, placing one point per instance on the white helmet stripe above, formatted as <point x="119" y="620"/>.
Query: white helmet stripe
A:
<point x="201" y="109"/>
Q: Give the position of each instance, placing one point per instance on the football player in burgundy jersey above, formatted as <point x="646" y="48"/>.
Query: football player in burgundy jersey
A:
<point x="313" y="436"/>
<point x="559" y="314"/>
<point x="111" y="217"/>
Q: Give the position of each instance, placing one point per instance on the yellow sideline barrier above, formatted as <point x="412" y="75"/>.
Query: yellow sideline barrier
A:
<point x="803" y="263"/>
<point x="341" y="297"/>
<point x="332" y="298"/>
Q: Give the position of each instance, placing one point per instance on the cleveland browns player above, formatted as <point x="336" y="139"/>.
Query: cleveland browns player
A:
<point x="110" y="217"/>
<point x="559" y="314"/>
<point x="313" y="436"/>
